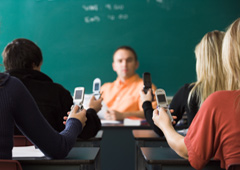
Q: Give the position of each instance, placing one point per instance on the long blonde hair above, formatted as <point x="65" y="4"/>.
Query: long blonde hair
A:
<point x="231" y="55"/>
<point x="210" y="74"/>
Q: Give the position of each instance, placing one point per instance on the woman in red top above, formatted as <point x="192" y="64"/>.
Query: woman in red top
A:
<point x="214" y="132"/>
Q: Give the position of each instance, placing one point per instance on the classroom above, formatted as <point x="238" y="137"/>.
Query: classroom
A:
<point x="78" y="38"/>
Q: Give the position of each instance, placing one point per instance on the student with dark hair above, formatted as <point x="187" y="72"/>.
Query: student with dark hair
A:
<point x="210" y="78"/>
<point x="122" y="96"/>
<point x="214" y="132"/>
<point x="18" y="107"/>
<point x="23" y="59"/>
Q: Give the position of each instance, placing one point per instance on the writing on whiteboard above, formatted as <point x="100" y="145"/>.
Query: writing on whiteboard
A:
<point x="159" y="1"/>
<point x="106" y="12"/>
<point x="120" y="17"/>
<point x="90" y="7"/>
<point x="111" y="17"/>
<point x="114" y="7"/>
<point x="118" y="7"/>
<point x="92" y="19"/>
<point x="123" y="16"/>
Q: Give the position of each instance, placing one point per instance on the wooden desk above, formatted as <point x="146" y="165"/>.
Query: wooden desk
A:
<point x="92" y="142"/>
<point x="146" y="138"/>
<point x="165" y="158"/>
<point x="84" y="158"/>
<point x="117" y="147"/>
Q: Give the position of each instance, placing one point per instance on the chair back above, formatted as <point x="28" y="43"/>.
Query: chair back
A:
<point x="20" y="140"/>
<point x="6" y="164"/>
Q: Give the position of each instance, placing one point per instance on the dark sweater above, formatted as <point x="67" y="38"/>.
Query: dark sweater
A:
<point x="54" y="101"/>
<point x="18" y="106"/>
<point x="179" y="104"/>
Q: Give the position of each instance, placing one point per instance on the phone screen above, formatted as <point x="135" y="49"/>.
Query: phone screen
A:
<point x="78" y="94"/>
<point x="96" y="88"/>
<point x="161" y="98"/>
<point x="147" y="80"/>
<point x="148" y="83"/>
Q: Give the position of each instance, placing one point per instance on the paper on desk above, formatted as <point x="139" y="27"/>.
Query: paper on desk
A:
<point x="26" y="151"/>
<point x="134" y="121"/>
<point x="110" y="122"/>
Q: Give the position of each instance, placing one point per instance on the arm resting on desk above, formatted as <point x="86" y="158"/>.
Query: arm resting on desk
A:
<point x="115" y="115"/>
<point x="175" y="140"/>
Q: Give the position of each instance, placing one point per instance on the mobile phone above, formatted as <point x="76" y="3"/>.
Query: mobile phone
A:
<point x="96" y="88"/>
<point x="147" y="82"/>
<point x="78" y="97"/>
<point x="162" y="101"/>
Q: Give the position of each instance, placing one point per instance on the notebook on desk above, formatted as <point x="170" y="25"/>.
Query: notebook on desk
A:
<point x="26" y="151"/>
<point x="134" y="121"/>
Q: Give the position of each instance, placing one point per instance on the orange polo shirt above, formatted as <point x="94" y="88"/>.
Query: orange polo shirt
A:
<point x="124" y="96"/>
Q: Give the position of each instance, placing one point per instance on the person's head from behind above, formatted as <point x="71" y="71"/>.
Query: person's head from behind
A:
<point x="209" y="56"/>
<point x="209" y="65"/>
<point x="125" y="62"/>
<point x="22" y="54"/>
<point x="231" y="55"/>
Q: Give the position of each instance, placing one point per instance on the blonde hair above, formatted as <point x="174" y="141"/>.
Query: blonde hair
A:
<point x="231" y="55"/>
<point x="210" y="74"/>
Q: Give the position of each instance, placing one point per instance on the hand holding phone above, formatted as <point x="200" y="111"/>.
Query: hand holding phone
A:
<point x="162" y="101"/>
<point x="78" y="97"/>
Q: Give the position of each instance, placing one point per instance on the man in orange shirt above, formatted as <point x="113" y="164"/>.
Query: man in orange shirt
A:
<point x="122" y="96"/>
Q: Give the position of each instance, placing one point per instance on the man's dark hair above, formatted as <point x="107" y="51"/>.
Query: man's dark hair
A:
<point x="127" y="48"/>
<point x="21" y="54"/>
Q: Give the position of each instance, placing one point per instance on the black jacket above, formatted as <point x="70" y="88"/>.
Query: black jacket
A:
<point x="54" y="101"/>
<point x="179" y="104"/>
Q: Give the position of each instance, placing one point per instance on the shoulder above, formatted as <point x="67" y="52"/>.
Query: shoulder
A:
<point x="3" y="78"/>
<point x="184" y="90"/>
<point x="188" y="86"/>
<point x="224" y="93"/>
<point x="137" y="81"/>
<point x="107" y="85"/>
<point x="59" y="91"/>
<point x="221" y="100"/>
<point x="138" y="78"/>
<point x="12" y="81"/>
<point x="222" y="96"/>
<point x="14" y="86"/>
<point x="60" y="87"/>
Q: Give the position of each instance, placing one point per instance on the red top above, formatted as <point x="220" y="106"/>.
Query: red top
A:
<point x="215" y="131"/>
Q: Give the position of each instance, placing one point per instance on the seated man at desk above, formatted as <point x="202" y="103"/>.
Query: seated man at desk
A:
<point x="23" y="59"/>
<point x="122" y="96"/>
